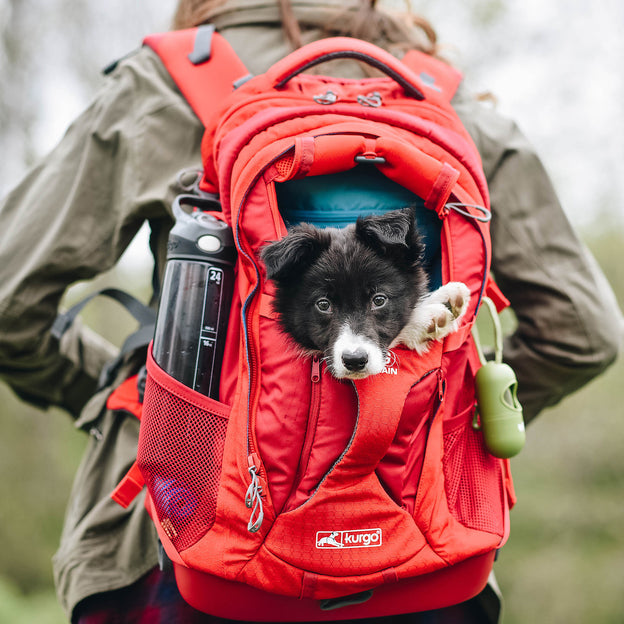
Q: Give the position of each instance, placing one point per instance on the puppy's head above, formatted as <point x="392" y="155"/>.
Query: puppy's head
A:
<point x="347" y="293"/>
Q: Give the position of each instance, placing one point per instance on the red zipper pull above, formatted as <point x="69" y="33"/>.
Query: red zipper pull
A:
<point x="441" y="386"/>
<point x="316" y="369"/>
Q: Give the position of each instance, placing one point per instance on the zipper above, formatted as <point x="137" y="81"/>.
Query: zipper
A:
<point x="255" y="494"/>
<point x="447" y="252"/>
<point x="296" y="100"/>
<point x="313" y="414"/>
<point x="441" y="392"/>
<point x="308" y="440"/>
<point x="272" y="197"/>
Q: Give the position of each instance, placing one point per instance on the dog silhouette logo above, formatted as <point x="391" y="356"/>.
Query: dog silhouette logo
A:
<point x="359" y="538"/>
<point x="329" y="541"/>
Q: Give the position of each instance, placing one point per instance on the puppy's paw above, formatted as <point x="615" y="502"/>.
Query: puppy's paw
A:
<point x="435" y="317"/>
<point x="429" y="322"/>
<point x="455" y="296"/>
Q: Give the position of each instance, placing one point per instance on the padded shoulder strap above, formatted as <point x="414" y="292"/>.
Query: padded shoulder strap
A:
<point x="203" y="65"/>
<point x="434" y="73"/>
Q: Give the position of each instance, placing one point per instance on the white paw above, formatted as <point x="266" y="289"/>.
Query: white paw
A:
<point x="455" y="296"/>
<point x="436" y="316"/>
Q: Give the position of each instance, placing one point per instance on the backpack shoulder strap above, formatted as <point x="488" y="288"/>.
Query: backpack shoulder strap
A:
<point x="203" y="65"/>
<point x="434" y="73"/>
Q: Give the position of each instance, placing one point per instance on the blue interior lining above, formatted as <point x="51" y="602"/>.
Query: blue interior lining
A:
<point x="337" y="199"/>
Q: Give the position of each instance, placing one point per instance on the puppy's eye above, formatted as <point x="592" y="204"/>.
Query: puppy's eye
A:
<point x="379" y="301"/>
<point x="324" y="305"/>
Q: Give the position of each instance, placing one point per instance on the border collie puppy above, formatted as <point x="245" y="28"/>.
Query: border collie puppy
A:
<point x="351" y="294"/>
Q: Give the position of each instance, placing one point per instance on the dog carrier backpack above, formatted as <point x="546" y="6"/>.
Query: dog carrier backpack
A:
<point x="297" y="496"/>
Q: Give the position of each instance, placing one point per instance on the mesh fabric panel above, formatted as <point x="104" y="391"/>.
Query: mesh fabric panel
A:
<point x="180" y="454"/>
<point x="284" y="165"/>
<point x="473" y="478"/>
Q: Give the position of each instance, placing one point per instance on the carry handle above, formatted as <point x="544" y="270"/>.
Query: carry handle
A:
<point x="344" y="47"/>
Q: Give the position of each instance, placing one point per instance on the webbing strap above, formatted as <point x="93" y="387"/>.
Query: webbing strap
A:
<point x="126" y="397"/>
<point x="203" y="65"/>
<point x="129" y="487"/>
<point x="142" y="313"/>
<point x="439" y="77"/>
<point x="145" y="315"/>
<point x="495" y="294"/>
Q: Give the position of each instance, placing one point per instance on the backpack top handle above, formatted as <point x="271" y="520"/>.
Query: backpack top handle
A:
<point x="345" y="47"/>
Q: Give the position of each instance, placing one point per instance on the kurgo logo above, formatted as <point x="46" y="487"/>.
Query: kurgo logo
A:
<point x="361" y="538"/>
<point x="391" y="364"/>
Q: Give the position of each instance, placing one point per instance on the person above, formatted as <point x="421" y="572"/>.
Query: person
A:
<point x="73" y="215"/>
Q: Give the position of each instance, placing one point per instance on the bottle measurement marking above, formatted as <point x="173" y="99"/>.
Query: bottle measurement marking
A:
<point x="209" y="332"/>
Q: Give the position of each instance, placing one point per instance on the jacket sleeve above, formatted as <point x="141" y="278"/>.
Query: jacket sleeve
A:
<point x="72" y="217"/>
<point x="569" y="326"/>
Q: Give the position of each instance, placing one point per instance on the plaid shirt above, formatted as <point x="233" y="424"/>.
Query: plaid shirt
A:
<point x="155" y="599"/>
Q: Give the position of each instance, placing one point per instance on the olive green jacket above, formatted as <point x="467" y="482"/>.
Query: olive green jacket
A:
<point x="75" y="213"/>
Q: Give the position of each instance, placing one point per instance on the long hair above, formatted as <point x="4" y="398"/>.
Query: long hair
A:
<point x="403" y="31"/>
<point x="190" y="13"/>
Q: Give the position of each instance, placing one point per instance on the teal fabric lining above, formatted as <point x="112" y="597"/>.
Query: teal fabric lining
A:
<point x="335" y="200"/>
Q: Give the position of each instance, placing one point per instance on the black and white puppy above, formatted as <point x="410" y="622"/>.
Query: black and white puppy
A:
<point x="351" y="294"/>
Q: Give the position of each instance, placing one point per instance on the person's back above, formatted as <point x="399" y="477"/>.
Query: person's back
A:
<point x="131" y="144"/>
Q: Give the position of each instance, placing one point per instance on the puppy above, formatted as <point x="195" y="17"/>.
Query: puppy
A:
<point x="351" y="294"/>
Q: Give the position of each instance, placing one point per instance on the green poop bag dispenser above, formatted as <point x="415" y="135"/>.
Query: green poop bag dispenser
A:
<point x="499" y="414"/>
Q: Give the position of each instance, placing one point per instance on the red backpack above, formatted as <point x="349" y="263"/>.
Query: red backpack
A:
<point x="299" y="493"/>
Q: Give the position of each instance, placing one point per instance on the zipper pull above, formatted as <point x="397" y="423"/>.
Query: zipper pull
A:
<point x="316" y="369"/>
<point x="327" y="98"/>
<point x="253" y="498"/>
<point x="370" y="99"/>
<point x="441" y="386"/>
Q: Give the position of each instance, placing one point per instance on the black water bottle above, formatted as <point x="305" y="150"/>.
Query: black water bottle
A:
<point x="191" y="326"/>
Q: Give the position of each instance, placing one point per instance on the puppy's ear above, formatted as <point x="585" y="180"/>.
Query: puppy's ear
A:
<point x="392" y="234"/>
<point x="287" y="258"/>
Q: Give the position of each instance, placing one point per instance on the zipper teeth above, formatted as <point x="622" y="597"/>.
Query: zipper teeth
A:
<point x="441" y="395"/>
<point x="248" y="306"/>
<point x="447" y="251"/>
<point x="272" y="194"/>
<point x="315" y="405"/>
<point x="298" y="99"/>
<point x="306" y="447"/>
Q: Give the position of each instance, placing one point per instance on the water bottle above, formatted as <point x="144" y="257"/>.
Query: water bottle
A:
<point x="191" y="326"/>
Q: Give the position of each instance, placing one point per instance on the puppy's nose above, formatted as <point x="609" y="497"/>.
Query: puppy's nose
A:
<point x="355" y="360"/>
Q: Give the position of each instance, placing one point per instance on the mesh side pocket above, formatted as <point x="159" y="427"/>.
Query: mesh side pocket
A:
<point x="284" y="165"/>
<point x="474" y="481"/>
<point x="180" y="455"/>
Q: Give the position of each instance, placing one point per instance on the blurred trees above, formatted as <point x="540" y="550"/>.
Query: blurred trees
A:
<point x="50" y="55"/>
